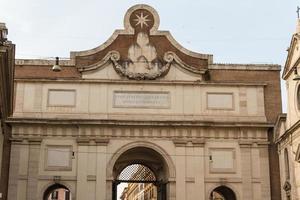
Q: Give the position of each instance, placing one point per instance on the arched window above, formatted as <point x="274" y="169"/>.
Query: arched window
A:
<point x="286" y="164"/>
<point x="57" y="192"/>
<point x="298" y="97"/>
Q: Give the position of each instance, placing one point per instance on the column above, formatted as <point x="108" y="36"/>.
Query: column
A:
<point x="33" y="168"/>
<point x="180" y="171"/>
<point x="14" y="170"/>
<point x="81" y="191"/>
<point x="199" y="160"/>
<point x="256" y="173"/>
<point x="101" y="170"/>
<point x="246" y="167"/>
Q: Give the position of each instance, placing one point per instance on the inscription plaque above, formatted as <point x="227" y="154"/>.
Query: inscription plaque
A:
<point x="141" y="99"/>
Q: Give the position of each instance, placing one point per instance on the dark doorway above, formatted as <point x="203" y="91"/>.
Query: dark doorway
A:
<point x="222" y="193"/>
<point x="57" y="192"/>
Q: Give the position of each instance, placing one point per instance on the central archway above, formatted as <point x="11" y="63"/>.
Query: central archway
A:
<point x="144" y="167"/>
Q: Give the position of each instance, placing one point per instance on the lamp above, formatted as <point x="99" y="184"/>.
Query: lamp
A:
<point x="56" y="67"/>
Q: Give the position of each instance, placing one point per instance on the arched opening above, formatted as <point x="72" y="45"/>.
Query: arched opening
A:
<point x="57" y="192"/>
<point x="140" y="173"/>
<point x="222" y="193"/>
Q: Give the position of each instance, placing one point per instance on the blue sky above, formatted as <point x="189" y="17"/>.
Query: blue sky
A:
<point x="234" y="31"/>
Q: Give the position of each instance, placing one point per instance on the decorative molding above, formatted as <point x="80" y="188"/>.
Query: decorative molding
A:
<point x="129" y="30"/>
<point x="61" y="178"/>
<point x="74" y="123"/>
<point x="180" y="143"/>
<point x="186" y="142"/>
<point x="190" y="179"/>
<point x="92" y="141"/>
<point x="132" y="82"/>
<point x="223" y="180"/>
<point x="34" y="141"/>
<point x="101" y="142"/>
<point x="91" y="178"/>
<point x="245" y="144"/>
<point x="122" y="67"/>
<point x="94" y="134"/>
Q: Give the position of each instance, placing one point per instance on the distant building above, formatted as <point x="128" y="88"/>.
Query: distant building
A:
<point x="7" y="56"/>
<point x="287" y="132"/>
<point x="204" y="129"/>
<point x="140" y="191"/>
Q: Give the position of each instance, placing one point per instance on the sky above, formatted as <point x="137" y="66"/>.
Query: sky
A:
<point x="234" y="31"/>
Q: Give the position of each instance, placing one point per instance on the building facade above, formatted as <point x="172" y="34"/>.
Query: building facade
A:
<point x="287" y="131"/>
<point x="204" y="129"/>
<point x="7" y="51"/>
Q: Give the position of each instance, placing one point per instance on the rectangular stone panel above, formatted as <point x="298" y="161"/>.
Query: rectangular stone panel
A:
<point x="141" y="99"/>
<point x="222" y="101"/>
<point x="222" y="160"/>
<point x="58" y="158"/>
<point x="58" y="97"/>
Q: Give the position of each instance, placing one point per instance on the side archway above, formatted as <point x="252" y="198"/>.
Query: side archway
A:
<point x="57" y="191"/>
<point x="222" y="193"/>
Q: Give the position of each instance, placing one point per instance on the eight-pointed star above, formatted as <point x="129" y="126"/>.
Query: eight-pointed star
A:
<point x="142" y="20"/>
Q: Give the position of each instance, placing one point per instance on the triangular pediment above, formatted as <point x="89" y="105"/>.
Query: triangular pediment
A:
<point x="293" y="57"/>
<point x="141" y="51"/>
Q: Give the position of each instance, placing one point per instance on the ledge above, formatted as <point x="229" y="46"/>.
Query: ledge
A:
<point x="254" y="67"/>
<point x="174" y="123"/>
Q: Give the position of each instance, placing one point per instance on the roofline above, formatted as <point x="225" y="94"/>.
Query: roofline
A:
<point x="254" y="67"/>
<point x="43" y="62"/>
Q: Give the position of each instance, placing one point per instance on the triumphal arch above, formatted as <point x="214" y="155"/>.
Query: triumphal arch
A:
<point x="141" y="117"/>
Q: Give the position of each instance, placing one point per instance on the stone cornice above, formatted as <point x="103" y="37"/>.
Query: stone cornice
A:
<point x="288" y="132"/>
<point x="248" y="67"/>
<point x="133" y="82"/>
<point x="174" y="123"/>
<point x="92" y="141"/>
<point x="187" y="142"/>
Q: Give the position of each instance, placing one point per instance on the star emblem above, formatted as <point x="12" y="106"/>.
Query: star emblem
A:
<point x="142" y="20"/>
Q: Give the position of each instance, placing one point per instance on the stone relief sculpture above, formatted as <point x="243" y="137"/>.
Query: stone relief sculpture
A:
<point x="142" y="56"/>
<point x="142" y="61"/>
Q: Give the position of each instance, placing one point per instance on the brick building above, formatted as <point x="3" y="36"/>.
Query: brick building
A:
<point x="204" y="129"/>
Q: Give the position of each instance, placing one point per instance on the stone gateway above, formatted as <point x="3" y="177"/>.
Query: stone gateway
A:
<point x="143" y="112"/>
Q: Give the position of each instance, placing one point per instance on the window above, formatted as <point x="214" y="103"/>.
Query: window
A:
<point x="297" y="158"/>
<point x="298" y="97"/>
<point x="286" y="164"/>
